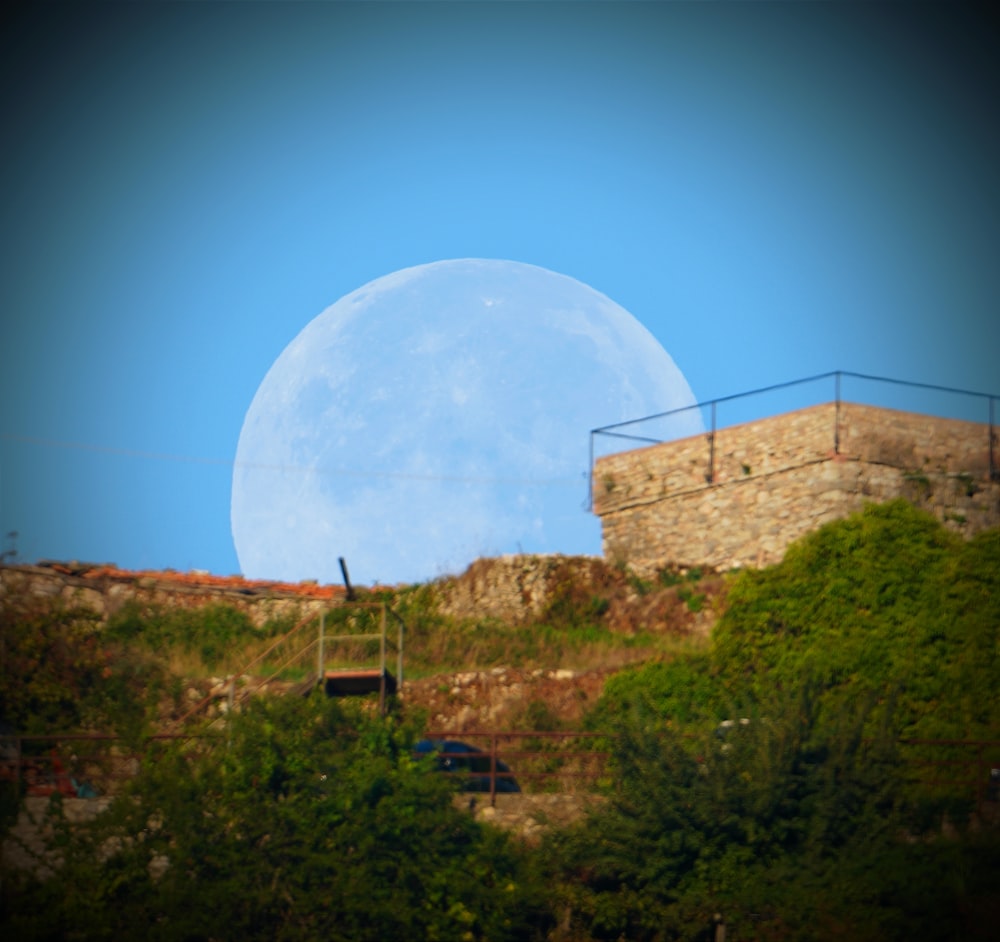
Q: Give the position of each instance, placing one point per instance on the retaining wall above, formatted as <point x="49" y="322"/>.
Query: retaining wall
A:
<point x="106" y="591"/>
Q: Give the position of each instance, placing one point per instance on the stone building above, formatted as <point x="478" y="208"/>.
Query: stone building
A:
<point x="740" y="496"/>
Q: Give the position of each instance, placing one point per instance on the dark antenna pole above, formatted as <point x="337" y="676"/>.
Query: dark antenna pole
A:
<point x="347" y="580"/>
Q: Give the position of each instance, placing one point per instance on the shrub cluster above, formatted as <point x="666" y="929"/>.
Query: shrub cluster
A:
<point x="59" y="672"/>
<point x="214" y="635"/>
<point x="306" y="821"/>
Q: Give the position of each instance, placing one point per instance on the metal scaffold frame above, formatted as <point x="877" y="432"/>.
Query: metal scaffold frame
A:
<point x="359" y="680"/>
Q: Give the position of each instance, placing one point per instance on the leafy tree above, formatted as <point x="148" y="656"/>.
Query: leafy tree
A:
<point x="681" y="692"/>
<point x="777" y="830"/>
<point x="969" y="666"/>
<point x="886" y="603"/>
<point x="873" y="629"/>
<point x="306" y="821"/>
<point x="59" y="673"/>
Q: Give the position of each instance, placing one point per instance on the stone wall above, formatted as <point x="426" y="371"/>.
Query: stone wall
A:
<point x="30" y="843"/>
<point x="741" y="499"/>
<point x="515" y="588"/>
<point x="105" y="591"/>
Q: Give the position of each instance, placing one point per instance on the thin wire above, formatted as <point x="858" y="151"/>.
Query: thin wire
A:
<point x="293" y="469"/>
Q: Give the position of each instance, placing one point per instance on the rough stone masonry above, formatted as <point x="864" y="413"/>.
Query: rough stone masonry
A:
<point x="741" y="498"/>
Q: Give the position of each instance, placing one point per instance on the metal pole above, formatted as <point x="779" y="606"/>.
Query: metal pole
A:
<point x="399" y="656"/>
<point x="710" y="477"/>
<point x="229" y="712"/>
<point x="994" y="474"/>
<point x="493" y="770"/>
<point x="320" y="653"/>
<point x="836" y="419"/>
<point x="381" y="693"/>
<point x="347" y="579"/>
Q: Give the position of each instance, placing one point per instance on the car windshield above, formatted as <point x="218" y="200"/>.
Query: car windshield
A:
<point x="455" y="756"/>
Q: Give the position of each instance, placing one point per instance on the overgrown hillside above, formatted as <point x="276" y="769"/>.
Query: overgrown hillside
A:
<point x="549" y="625"/>
<point x="885" y="611"/>
<point x="772" y="776"/>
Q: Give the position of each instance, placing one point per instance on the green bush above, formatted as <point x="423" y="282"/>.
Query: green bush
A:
<point x="216" y="634"/>
<point x="780" y="827"/>
<point x="694" y="601"/>
<point x="59" y="672"/>
<point x="807" y="821"/>
<point x="306" y="821"/>
<point x="886" y="603"/>
<point x="680" y="692"/>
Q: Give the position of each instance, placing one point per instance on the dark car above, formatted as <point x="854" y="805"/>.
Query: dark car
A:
<point x="466" y="760"/>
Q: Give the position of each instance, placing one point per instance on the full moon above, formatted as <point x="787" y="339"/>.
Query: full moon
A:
<point x="436" y="415"/>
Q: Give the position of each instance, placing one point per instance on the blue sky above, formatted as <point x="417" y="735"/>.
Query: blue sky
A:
<point x="773" y="190"/>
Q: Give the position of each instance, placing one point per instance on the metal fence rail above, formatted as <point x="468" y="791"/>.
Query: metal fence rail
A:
<point x="74" y="765"/>
<point x="563" y="762"/>
<point x="919" y="396"/>
<point x="563" y="759"/>
<point x="301" y="654"/>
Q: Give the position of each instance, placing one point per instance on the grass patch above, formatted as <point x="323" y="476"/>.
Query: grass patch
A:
<point x="694" y="601"/>
<point x="572" y="632"/>
<point x="446" y="645"/>
<point x="195" y="642"/>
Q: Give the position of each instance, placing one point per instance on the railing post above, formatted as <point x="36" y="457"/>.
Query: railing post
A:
<point x="493" y="770"/>
<point x="320" y="653"/>
<point x="994" y="473"/>
<point x="399" y="656"/>
<point x="836" y="415"/>
<point x="710" y="477"/>
<point x="229" y="712"/>
<point x="381" y="686"/>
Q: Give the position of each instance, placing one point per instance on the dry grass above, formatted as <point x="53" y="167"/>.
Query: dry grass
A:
<point x="582" y="632"/>
<point x="448" y="647"/>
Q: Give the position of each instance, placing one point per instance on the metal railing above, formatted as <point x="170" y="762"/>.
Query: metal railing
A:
<point x="302" y="652"/>
<point x="356" y="641"/>
<point x="283" y="653"/>
<point x="561" y="762"/>
<point x="970" y="767"/>
<point x="74" y="765"/>
<point x="919" y="397"/>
